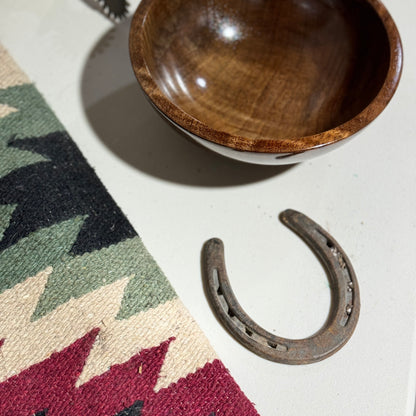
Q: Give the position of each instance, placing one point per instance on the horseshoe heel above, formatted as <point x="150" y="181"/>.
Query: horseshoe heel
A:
<point x="345" y="302"/>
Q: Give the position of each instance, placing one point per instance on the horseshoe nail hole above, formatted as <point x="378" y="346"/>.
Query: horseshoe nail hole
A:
<point x="219" y="291"/>
<point x="329" y="244"/>
<point x="249" y="333"/>
<point x="348" y="309"/>
<point x="271" y="344"/>
<point x="231" y="314"/>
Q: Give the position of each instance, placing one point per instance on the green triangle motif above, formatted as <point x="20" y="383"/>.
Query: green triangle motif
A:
<point x="40" y="249"/>
<point x="12" y="158"/>
<point x="6" y="212"/>
<point x="74" y="277"/>
<point x="33" y="119"/>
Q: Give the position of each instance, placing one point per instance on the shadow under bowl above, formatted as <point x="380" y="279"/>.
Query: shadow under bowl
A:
<point x="267" y="82"/>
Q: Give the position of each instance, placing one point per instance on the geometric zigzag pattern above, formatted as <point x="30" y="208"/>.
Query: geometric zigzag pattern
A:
<point x="89" y="325"/>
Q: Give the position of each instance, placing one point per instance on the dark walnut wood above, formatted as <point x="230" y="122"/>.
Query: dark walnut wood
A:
<point x="270" y="76"/>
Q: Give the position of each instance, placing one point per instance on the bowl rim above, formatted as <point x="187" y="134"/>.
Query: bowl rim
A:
<point x="266" y="145"/>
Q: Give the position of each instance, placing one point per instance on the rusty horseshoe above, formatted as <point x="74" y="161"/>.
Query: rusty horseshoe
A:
<point x="345" y="299"/>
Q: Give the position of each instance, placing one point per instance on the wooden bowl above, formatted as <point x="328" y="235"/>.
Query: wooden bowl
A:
<point x="267" y="81"/>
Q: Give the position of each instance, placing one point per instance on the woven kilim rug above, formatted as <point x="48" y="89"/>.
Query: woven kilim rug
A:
<point x="89" y="325"/>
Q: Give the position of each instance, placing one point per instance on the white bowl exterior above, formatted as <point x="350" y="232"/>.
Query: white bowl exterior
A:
<point x="258" y="158"/>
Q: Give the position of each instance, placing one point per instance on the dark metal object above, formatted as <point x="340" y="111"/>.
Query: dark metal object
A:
<point x="343" y="315"/>
<point x="115" y="9"/>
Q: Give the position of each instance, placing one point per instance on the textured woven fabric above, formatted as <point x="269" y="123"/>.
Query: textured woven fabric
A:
<point x="89" y="325"/>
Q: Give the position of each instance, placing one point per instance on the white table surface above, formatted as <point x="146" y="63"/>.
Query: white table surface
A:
<point x="178" y="195"/>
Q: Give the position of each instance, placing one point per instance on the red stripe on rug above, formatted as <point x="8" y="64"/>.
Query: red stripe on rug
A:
<point x="211" y="390"/>
<point x="50" y="386"/>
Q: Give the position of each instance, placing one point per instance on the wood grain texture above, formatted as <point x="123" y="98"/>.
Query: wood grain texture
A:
<point x="279" y="76"/>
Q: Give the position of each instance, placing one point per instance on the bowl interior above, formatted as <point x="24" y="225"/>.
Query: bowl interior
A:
<point x="267" y="69"/>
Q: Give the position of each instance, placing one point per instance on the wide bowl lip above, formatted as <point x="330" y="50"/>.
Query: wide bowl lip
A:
<point x="266" y="145"/>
